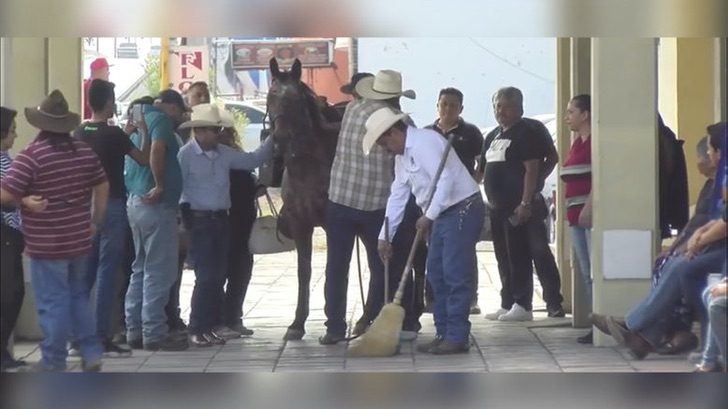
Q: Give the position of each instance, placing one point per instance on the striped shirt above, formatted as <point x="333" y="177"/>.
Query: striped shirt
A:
<point x="65" y="178"/>
<point x="576" y="174"/>
<point x="357" y="180"/>
<point x="10" y="218"/>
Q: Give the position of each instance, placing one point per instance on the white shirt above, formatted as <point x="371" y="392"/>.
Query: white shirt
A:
<point x="414" y="171"/>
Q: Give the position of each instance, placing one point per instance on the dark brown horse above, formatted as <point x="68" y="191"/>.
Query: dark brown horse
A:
<point x="308" y="144"/>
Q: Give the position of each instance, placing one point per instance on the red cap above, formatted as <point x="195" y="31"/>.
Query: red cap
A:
<point x="99" y="63"/>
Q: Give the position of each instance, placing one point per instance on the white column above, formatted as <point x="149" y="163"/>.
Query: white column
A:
<point x="624" y="166"/>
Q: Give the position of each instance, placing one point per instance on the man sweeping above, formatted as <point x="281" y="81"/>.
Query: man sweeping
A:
<point x="452" y="220"/>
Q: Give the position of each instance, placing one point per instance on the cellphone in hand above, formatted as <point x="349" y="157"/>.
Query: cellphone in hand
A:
<point x="136" y="113"/>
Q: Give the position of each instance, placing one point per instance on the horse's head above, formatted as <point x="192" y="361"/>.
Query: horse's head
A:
<point x="291" y="105"/>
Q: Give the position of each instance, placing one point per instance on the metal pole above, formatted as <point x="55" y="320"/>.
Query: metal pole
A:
<point x="163" y="62"/>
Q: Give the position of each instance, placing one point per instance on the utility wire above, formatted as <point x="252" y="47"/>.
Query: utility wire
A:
<point x="505" y="60"/>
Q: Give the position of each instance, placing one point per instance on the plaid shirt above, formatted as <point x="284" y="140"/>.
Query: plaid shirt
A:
<point x="10" y="218"/>
<point x="359" y="181"/>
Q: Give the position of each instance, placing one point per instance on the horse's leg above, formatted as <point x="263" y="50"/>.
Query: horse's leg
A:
<point x="304" y="249"/>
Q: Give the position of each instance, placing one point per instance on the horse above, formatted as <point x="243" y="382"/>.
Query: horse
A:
<point x="307" y="143"/>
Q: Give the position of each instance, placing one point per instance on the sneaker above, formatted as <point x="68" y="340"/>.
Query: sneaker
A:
<point x="493" y="316"/>
<point x="112" y="350"/>
<point x="586" y="339"/>
<point x="360" y="327"/>
<point x="11" y="363"/>
<point x="119" y="338"/>
<point x="242" y="329"/>
<point x="556" y="311"/>
<point x="135" y="343"/>
<point x="517" y="313"/>
<point x="94" y="366"/>
<point x="226" y="333"/>
<point x="214" y="338"/>
<point x="407" y="336"/>
<point x="168" y="344"/>
<point x="475" y="309"/>
<point x="74" y="351"/>
<point x="428" y="347"/>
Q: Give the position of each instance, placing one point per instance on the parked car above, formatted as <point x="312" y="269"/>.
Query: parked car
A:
<point x="549" y="189"/>
<point x="127" y="50"/>
<point x="255" y="115"/>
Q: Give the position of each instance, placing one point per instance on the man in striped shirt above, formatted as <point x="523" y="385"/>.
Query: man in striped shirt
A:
<point x="56" y="177"/>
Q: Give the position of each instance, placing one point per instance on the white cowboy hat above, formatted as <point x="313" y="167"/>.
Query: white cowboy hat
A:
<point x="378" y="123"/>
<point x="204" y="115"/>
<point x="385" y="85"/>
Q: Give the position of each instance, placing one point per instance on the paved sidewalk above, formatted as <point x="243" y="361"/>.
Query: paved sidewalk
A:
<point x="544" y="345"/>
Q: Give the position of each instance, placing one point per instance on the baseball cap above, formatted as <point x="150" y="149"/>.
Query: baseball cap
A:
<point x="170" y="96"/>
<point x="99" y="63"/>
<point x="349" y="88"/>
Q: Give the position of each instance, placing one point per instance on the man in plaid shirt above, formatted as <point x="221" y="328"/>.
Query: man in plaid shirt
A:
<point x="358" y="194"/>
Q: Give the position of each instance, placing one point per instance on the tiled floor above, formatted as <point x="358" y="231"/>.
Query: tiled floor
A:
<point x="544" y="345"/>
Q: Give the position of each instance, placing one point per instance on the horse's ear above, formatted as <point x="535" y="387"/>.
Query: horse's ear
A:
<point x="296" y="70"/>
<point x="274" y="67"/>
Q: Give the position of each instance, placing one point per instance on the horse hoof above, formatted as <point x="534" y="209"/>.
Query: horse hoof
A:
<point x="293" y="334"/>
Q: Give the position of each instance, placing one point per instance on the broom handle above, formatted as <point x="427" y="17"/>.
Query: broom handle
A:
<point x="418" y="236"/>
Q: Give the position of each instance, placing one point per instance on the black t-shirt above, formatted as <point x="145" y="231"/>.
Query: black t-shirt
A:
<point x="542" y="137"/>
<point x="111" y="144"/>
<point x="467" y="143"/>
<point x="503" y="156"/>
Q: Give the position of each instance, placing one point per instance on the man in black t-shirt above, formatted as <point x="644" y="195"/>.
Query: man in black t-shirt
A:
<point x="515" y="159"/>
<point x="111" y="145"/>
<point x="467" y="144"/>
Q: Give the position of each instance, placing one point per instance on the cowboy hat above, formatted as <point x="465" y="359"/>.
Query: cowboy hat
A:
<point x="349" y="88"/>
<point x="206" y="115"/>
<point x="385" y="85"/>
<point x="378" y="123"/>
<point x="53" y="115"/>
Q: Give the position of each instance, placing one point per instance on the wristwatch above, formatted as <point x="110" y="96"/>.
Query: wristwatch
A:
<point x="526" y="204"/>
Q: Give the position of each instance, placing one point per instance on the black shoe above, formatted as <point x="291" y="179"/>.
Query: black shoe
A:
<point x="168" y="344"/>
<point x="11" y="363"/>
<point x="449" y="347"/>
<point x="556" y="311"/>
<point x="637" y="346"/>
<point x="475" y="309"/>
<point x="112" y="350"/>
<point x="135" y="343"/>
<point x="242" y="329"/>
<point x="214" y="338"/>
<point x="586" y="339"/>
<point x="330" y="339"/>
<point x="200" y="341"/>
<point x="600" y="321"/>
<point x="360" y="327"/>
<point x="428" y="347"/>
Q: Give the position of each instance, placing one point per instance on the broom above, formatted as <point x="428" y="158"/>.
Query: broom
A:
<point x="382" y="337"/>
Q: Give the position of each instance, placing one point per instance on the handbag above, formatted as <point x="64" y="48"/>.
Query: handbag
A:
<point x="264" y="236"/>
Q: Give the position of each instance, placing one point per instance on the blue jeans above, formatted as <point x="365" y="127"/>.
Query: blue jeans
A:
<point x="104" y="263"/>
<point x="343" y="224"/>
<point x="154" y="229"/>
<point x="62" y="301"/>
<point x="650" y="317"/>
<point x="209" y="242"/>
<point x="712" y="348"/>
<point x="450" y="266"/>
<point x="581" y="242"/>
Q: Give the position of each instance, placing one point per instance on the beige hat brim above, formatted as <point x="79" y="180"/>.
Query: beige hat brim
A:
<point x="365" y="88"/>
<point x="44" y="122"/>
<point x="372" y="135"/>
<point x="200" y="123"/>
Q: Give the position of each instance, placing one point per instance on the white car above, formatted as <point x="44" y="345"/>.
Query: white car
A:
<point x="255" y="115"/>
<point x="549" y="189"/>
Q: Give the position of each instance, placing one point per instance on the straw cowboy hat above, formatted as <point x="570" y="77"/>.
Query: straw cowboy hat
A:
<point x="53" y="115"/>
<point x="385" y="85"/>
<point x="207" y="115"/>
<point x="378" y="123"/>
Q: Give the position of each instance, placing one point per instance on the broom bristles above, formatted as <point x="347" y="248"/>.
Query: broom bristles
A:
<point x="382" y="337"/>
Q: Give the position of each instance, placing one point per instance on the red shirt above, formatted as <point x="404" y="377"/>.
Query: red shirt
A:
<point x="576" y="173"/>
<point x="65" y="178"/>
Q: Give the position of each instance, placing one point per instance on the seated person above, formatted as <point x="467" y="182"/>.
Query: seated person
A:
<point x="684" y="274"/>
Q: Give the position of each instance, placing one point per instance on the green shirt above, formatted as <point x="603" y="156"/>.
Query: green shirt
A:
<point x="139" y="179"/>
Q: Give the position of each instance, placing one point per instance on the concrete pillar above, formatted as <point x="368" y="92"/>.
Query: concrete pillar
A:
<point x="624" y="166"/>
<point x="37" y="66"/>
